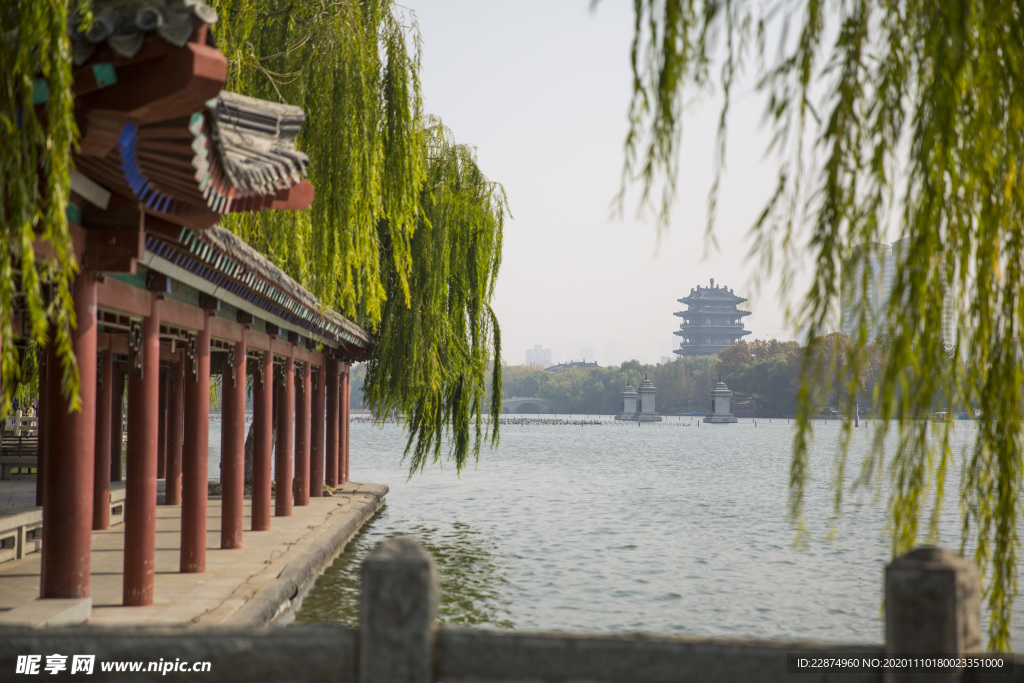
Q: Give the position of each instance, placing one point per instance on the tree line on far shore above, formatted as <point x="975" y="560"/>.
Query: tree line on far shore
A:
<point x="768" y="369"/>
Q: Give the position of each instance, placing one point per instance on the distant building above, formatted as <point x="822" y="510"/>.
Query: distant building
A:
<point x="711" y="322"/>
<point x="538" y="356"/>
<point x="742" y="405"/>
<point x="880" y="268"/>
<point x="571" y="365"/>
<point x="638" y="406"/>
<point x="882" y="262"/>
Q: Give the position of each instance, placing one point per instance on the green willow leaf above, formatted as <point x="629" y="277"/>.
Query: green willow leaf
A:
<point x="430" y="360"/>
<point x="35" y="158"/>
<point x="348" y="65"/>
<point x="885" y="116"/>
<point x="405" y="232"/>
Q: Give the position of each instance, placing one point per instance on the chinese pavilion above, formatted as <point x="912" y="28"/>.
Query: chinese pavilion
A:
<point x="164" y="299"/>
<point x="711" y="321"/>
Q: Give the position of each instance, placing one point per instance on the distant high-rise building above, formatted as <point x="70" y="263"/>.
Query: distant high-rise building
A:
<point x="711" y="321"/>
<point x="882" y="263"/>
<point x="880" y="272"/>
<point x="538" y="356"/>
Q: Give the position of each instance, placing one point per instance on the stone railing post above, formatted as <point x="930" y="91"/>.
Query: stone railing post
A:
<point x="397" y="613"/>
<point x="932" y="607"/>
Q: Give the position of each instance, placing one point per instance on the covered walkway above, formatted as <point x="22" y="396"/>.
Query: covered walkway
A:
<point x="166" y="304"/>
<point x="236" y="588"/>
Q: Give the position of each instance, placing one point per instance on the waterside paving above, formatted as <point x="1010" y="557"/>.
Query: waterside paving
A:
<point x="259" y="583"/>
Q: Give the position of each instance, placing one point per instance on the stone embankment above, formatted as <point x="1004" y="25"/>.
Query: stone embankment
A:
<point x="261" y="583"/>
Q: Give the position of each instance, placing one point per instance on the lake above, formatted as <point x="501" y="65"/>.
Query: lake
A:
<point x="668" y="528"/>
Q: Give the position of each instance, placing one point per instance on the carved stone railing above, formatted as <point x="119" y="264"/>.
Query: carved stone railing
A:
<point x="932" y="615"/>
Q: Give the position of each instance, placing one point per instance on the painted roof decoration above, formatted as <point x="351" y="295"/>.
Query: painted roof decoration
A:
<point x="123" y="25"/>
<point x="256" y="142"/>
<point x="158" y="130"/>
<point x="164" y="153"/>
<point x="238" y="155"/>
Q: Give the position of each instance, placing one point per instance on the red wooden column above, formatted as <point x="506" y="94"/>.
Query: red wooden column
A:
<point x="161" y="438"/>
<point x="262" y="440"/>
<point x="331" y="386"/>
<point x="67" y="515"/>
<point x="101" y="475"/>
<point x="346" y="404"/>
<point x="302" y="433"/>
<point x="283" y="459"/>
<point x="140" y="488"/>
<point x="116" y="422"/>
<point x="175" y="431"/>
<point x="316" y="445"/>
<point x="194" y="461"/>
<point x="233" y="447"/>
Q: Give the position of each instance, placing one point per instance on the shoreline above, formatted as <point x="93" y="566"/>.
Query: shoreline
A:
<point x="260" y="584"/>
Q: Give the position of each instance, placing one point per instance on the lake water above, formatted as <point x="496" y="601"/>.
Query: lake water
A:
<point x="671" y="528"/>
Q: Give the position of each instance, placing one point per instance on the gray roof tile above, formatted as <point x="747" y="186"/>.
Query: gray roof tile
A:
<point x="123" y="25"/>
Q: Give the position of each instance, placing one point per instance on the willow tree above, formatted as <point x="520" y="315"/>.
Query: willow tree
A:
<point x="37" y="131"/>
<point x="405" y="231"/>
<point x="349" y="66"/>
<point x="430" y="356"/>
<point x="886" y="116"/>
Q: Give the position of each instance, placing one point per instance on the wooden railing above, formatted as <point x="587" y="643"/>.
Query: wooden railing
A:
<point x="932" y="613"/>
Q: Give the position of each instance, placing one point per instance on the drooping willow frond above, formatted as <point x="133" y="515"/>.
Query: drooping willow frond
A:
<point x="35" y="156"/>
<point x="431" y="358"/>
<point x="405" y="231"/>
<point x="886" y="116"/>
<point x="349" y="66"/>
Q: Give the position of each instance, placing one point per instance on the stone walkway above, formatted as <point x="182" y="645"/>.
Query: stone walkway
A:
<point x="254" y="585"/>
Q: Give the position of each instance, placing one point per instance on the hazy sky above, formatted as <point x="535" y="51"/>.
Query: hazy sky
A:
<point x="541" y="89"/>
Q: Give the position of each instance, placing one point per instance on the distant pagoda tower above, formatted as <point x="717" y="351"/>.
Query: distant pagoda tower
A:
<point x="711" y="321"/>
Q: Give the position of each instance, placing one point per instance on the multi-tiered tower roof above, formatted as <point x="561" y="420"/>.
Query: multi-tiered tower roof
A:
<point x="711" y="321"/>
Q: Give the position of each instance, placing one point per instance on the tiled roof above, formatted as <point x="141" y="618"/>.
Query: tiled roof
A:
<point x="123" y="25"/>
<point x="158" y="129"/>
<point x="215" y="161"/>
<point x="236" y="269"/>
<point x="256" y="142"/>
<point x="236" y="162"/>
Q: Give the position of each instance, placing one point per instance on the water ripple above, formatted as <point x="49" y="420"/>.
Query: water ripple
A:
<point x="660" y="530"/>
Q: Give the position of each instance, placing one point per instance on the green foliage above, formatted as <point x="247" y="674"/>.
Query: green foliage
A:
<point x="766" y="368"/>
<point x="348" y="66"/>
<point x="430" y="356"/>
<point x="35" y="152"/>
<point x="683" y="385"/>
<point x="405" y="231"/>
<point x="883" y="115"/>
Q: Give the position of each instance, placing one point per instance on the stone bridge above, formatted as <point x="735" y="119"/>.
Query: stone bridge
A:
<point x="518" y="404"/>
